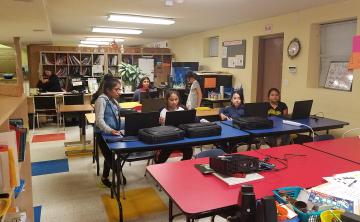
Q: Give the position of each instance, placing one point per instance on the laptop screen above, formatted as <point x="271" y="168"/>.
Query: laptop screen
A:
<point x="136" y="121"/>
<point x="180" y="117"/>
<point x="302" y="109"/>
<point x="256" y="109"/>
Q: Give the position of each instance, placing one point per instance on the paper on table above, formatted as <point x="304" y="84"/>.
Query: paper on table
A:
<point x="239" y="60"/>
<point x="224" y="52"/>
<point x="231" y="62"/>
<point x="235" y="180"/>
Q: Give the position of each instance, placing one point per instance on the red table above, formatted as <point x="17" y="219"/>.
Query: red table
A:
<point x="199" y="196"/>
<point x="346" y="148"/>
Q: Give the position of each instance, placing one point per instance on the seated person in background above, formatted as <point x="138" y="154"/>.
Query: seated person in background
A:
<point x="236" y="109"/>
<point x="144" y="86"/>
<point x="276" y="107"/>
<point x="172" y="104"/>
<point x="50" y="83"/>
<point x="195" y="94"/>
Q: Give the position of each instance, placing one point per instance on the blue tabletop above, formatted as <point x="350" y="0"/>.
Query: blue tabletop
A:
<point x="280" y="128"/>
<point x="228" y="133"/>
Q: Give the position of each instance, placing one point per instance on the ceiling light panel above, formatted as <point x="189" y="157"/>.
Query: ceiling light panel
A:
<point x="104" y="39"/>
<point x="93" y="42"/>
<point x="84" y="45"/>
<point x="117" y="30"/>
<point x="140" y="19"/>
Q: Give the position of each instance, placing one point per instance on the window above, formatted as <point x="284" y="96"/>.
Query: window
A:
<point x="214" y="46"/>
<point x="335" y="45"/>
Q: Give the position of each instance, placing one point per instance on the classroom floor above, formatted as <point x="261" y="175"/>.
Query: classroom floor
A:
<point x="67" y="189"/>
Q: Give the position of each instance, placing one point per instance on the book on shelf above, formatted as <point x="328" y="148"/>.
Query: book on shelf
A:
<point x="86" y="60"/>
<point x="61" y="59"/>
<point x="8" y="139"/>
<point x="19" y="188"/>
<point x="62" y="71"/>
<point x="86" y="71"/>
<point x="74" y="60"/>
<point x="99" y="60"/>
<point x="97" y="69"/>
<point x="21" y="135"/>
<point x="47" y="59"/>
<point x="113" y="60"/>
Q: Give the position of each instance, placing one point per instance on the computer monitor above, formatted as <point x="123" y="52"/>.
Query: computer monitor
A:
<point x="256" y="109"/>
<point x="136" y="121"/>
<point x="302" y="109"/>
<point x="149" y="95"/>
<point x="152" y="105"/>
<point x="176" y="118"/>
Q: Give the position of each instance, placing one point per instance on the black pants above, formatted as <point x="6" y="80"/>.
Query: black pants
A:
<point x="107" y="155"/>
<point x="164" y="154"/>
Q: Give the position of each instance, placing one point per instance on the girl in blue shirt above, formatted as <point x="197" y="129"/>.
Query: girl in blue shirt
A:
<point x="236" y="109"/>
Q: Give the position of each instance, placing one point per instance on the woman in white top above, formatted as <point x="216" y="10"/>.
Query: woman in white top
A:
<point x="172" y="104"/>
<point x="195" y="94"/>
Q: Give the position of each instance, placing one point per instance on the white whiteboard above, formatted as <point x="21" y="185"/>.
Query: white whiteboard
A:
<point x="339" y="77"/>
<point x="147" y="67"/>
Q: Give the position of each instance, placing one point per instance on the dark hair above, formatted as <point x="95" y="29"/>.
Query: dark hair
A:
<point x="190" y="74"/>
<point x="167" y="96"/>
<point x="107" y="83"/>
<point x="240" y="93"/>
<point x="273" y="89"/>
<point x="142" y="80"/>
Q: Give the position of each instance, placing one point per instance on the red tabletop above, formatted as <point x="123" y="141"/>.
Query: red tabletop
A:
<point x="195" y="193"/>
<point x="347" y="148"/>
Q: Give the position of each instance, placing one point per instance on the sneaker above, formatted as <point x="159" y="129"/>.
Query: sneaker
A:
<point x="106" y="182"/>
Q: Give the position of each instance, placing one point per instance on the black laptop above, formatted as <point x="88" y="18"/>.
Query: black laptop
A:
<point x="256" y="110"/>
<point x="176" y="118"/>
<point x="136" y="121"/>
<point x="152" y="105"/>
<point x="302" y="109"/>
<point x="149" y="95"/>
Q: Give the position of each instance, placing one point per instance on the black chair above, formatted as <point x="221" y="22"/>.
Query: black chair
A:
<point x="72" y="99"/>
<point x="44" y="106"/>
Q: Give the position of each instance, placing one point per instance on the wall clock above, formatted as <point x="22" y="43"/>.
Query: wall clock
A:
<point x="294" y="48"/>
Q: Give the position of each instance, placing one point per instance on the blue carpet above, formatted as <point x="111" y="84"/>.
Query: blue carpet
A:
<point x="50" y="167"/>
<point x="37" y="213"/>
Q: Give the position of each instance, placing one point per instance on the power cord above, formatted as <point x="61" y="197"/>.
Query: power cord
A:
<point x="350" y="130"/>
<point x="283" y="160"/>
<point x="312" y="131"/>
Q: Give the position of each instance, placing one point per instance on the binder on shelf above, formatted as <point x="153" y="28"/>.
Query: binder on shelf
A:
<point x="9" y="139"/>
<point x="5" y="186"/>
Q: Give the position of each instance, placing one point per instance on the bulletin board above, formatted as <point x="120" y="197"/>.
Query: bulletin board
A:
<point x="233" y="54"/>
<point x="339" y="77"/>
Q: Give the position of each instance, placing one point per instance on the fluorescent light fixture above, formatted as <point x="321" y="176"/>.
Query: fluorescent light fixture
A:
<point x="117" y="30"/>
<point x="84" y="45"/>
<point x="93" y="42"/>
<point x="140" y="19"/>
<point x="104" y="39"/>
<point x="4" y="46"/>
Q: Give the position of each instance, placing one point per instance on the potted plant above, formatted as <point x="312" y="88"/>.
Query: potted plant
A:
<point x="130" y="75"/>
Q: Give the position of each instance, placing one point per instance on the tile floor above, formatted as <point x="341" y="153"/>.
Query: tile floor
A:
<point x="75" y="196"/>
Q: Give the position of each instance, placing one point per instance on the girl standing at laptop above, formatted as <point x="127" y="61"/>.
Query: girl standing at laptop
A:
<point x="195" y="94"/>
<point x="276" y="107"/>
<point x="172" y="99"/>
<point x="107" y="112"/>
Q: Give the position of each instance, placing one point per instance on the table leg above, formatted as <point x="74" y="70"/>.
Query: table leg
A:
<point x="113" y="174"/>
<point x="170" y="210"/>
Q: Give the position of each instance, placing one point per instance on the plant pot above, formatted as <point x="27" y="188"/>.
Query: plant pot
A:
<point x="128" y="88"/>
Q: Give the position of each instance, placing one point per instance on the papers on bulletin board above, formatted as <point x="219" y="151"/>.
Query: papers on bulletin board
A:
<point x="224" y="52"/>
<point x="339" y="77"/>
<point x="239" y="60"/>
<point x="354" y="62"/>
<point x="231" y="62"/>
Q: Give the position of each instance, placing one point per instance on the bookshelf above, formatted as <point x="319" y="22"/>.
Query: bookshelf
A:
<point x="73" y="64"/>
<point x="14" y="106"/>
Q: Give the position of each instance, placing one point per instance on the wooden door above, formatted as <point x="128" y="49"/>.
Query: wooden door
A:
<point x="269" y="66"/>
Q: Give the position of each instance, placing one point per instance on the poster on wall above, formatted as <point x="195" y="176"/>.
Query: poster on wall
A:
<point x="339" y="77"/>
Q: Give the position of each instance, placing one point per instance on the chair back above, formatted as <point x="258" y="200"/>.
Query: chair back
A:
<point x="74" y="99"/>
<point x="44" y="103"/>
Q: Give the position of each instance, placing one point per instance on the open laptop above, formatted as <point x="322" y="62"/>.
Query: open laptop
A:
<point x="176" y="118"/>
<point x="256" y="110"/>
<point x="302" y="109"/>
<point x="152" y="105"/>
<point x="136" y="121"/>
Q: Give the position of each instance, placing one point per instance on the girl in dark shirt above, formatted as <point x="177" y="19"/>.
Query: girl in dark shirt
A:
<point x="276" y="107"/>
<point x="236" y="109"/>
